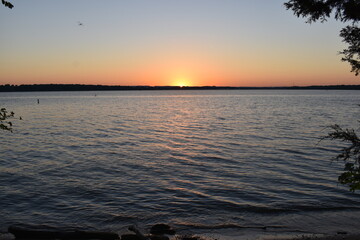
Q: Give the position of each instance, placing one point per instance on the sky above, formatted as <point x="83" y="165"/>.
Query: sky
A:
<point x="168" y="43"/>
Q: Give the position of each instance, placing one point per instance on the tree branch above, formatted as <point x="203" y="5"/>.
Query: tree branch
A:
<point x="7" y="4"/>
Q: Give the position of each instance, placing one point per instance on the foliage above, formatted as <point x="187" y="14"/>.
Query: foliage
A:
<point x="4" y="115"/>
<point x="351" y="35"/>
<point x="345" y="11"/>
<point x="7" y="4"/>
<point x="349" y="154"/>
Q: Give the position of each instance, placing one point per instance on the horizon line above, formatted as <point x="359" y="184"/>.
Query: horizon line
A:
<point x="176" y="86"/>
<point x="87" y="87"/>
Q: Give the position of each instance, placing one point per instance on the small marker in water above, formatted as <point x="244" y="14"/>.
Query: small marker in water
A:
<point x="38" y="101"/>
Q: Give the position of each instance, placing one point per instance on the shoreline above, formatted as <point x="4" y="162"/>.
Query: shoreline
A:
<point x="166" y="233"/>
<point x="317" y="237"/>
<point x="86" y="87"/>
<point x="9" y="236"/>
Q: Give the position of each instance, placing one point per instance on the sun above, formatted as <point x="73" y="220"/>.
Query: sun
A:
<point x="181" y="82"/>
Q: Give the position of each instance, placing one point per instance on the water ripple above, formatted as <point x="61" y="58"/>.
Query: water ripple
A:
<point x="152" y="157"/>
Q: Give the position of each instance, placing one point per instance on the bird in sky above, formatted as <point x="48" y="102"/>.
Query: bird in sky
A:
<point x="80" y="24"/>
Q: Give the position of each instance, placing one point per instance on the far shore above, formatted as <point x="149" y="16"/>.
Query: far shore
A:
<point x="84" y="87"/>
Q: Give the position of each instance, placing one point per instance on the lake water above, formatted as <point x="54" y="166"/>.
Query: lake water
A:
<point x="213" y="162"/>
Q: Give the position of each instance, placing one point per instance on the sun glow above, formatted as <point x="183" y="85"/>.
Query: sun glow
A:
<point x="182" y="82"/>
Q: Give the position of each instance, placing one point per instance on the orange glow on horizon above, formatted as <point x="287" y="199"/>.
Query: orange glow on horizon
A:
<point x="181" y="82"/>
<point x="181" y="67"/>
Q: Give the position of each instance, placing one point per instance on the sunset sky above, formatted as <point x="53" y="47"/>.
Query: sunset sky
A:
<point x="167" y="42"/>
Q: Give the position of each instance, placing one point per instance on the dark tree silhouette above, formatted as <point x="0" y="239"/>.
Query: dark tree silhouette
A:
<point x="350" y="154"/>
<point x="7" y="4"/>
<point x="344" y="11"/>
<point x="4" y="116"/>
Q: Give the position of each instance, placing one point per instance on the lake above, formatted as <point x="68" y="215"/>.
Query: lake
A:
<point x="215" y="162"/>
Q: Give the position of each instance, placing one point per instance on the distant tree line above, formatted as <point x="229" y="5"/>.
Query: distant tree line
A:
<point x="82" y="87"/>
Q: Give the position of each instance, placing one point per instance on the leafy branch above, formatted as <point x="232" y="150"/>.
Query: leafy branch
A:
<point x="4" y="115"/>
<point x="349" y="154"/>
<point x="314" y="10"/>
<point x="351" y="36"/>
<point x="344" y="11"/>
<point x="7" y="4"/>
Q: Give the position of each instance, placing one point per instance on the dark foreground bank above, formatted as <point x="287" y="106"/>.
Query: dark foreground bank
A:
<point x="328" y="237"/>
<point x="156" y="232"/>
